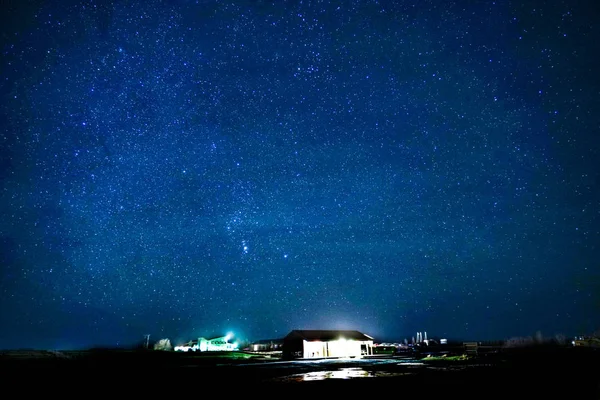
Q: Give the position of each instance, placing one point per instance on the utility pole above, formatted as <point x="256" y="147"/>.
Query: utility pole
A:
<point x="147" y="336"/>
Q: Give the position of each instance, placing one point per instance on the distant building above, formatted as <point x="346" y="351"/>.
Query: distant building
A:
<point x="220" y="343"/>
<point x="192" y="345"/>
<point x="266" y="345"/>
<point x="585" y="341"/>
<point x="326" y="343"/>
<point x="421" y="338"/>
<point x="471" y="348"/>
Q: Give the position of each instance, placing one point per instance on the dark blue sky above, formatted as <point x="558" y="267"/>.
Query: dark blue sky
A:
<point x="190" y="168"/>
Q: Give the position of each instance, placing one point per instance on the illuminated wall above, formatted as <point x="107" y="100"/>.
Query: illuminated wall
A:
<point x="344" y="348"/>
<point x="315" y="349"/>
<point x="335" y="348"/>
<point x="216" y="344"/>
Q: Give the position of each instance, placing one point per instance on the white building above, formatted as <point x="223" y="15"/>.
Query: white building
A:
<point x="220" y="343"/>
<point x="326" y="343"/>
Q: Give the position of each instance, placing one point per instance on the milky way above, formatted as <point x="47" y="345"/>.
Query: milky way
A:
<point x="185" y="169"/>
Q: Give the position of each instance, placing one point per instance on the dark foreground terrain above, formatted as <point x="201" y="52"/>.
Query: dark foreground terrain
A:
<point x="527" y="373"/>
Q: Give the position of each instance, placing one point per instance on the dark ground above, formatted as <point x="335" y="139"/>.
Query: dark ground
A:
<point x="529" y="373"/>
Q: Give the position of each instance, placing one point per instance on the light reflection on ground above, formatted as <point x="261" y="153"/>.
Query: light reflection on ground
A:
<point x="342" y="374"/>
<point x="346" y="373"/>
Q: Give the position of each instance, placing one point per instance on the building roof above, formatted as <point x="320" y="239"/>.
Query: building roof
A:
<point x="190" y="343"/>
<point x="267" y="341"/>
<point x="326" y="335"/>
<point x="212" y="338"/>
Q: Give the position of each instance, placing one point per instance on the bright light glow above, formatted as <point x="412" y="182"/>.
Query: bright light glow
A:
<point x="215" y="344"/>
<point x="186" y="348"/>
<point x="341" y="348"/>
<point x="344" y="348"/>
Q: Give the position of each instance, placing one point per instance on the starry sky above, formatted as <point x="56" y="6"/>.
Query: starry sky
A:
<point x="191" y="168"/>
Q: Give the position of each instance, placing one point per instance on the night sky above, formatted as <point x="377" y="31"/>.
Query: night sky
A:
<point x="190" y="168"/>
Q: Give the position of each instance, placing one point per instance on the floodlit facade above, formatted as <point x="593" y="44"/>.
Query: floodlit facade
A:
<point x="326" y="344"/>
<point x="220" y="343"/>
<point x="217" y="344"/>
<point x="190" y="346"/>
